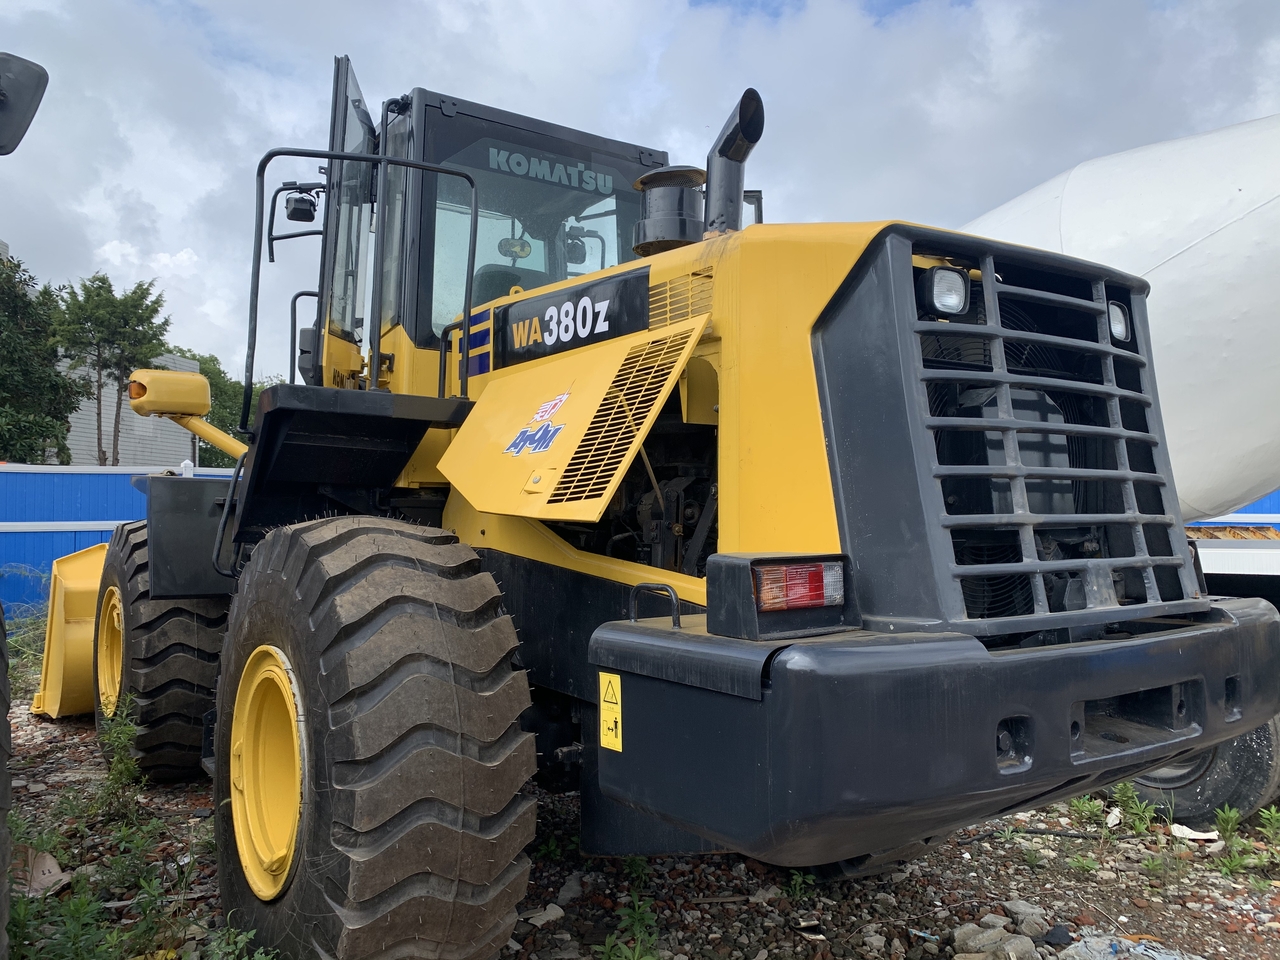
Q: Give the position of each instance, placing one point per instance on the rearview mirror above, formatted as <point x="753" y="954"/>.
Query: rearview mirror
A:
<point x="300" y="207"/>
<point x="22" y="86"/>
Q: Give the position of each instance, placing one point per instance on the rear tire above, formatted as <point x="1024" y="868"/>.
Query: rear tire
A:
<point x="1244" y="772"/>
<point x="166" y="660"/>
<point x="6" y="792"/>
<point x="411" y="824"/>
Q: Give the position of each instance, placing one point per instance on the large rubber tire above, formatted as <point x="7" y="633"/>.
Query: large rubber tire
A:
<point x="6" y="791"/>
<point x="1244" y="772"/>
<point x="169" y="660"/>
<point x="412" y="823"/>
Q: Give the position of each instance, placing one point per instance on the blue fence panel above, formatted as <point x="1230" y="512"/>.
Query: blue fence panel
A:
<point x="38" y="504"/>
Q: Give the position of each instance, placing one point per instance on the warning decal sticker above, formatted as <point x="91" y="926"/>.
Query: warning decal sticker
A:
<point x="611" y="711"/>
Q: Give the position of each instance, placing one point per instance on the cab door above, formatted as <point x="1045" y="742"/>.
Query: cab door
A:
<point x="344" y="265"/>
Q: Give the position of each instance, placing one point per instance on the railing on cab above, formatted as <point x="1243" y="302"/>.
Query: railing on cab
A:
<point x="375" y="328"/>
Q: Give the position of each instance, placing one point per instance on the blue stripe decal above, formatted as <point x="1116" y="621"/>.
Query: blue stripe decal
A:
<point x="477" y="363"/>
<point x="479" y="338"/>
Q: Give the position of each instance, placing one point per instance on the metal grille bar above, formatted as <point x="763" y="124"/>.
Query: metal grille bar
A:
<point x="940" y="329"/>
<point x="995" y="540"/>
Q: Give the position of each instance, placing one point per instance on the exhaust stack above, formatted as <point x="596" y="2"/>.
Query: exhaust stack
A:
<point x="727" y="160"/>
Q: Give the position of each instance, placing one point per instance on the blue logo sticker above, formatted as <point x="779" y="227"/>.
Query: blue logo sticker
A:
<point x="536" y="441"/>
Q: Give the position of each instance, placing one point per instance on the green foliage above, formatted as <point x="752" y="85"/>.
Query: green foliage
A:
<point x="636" y="869"/>
<point x="117" y="797"/>
<point x="1137" y="813"/>
<point x="1088" y="811"/>
<point x="549" y="850"/>
<point x="1007" y="835"/>
<point x="638" y="920"/>
<point x="1083" y="864"/>
<point x="637" y="933"/>
<point x="1270" y="820"/>
<point x="227" y="943"/>
<point x="1227" y="819"/>
<point x="799" y="886"/>
<point x="26" y="643"/>
<point x="1032" y="857"/>
<point x="1229" y="864"/>
<point x="36" y="398"/>
<point x="108" y="336"/>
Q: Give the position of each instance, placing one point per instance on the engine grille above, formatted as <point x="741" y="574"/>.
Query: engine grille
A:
<point x="1047" y="447"/>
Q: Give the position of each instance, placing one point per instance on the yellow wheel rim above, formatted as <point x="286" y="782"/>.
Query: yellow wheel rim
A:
<point x="110" y="651"/>
<point x="266" y="770"/>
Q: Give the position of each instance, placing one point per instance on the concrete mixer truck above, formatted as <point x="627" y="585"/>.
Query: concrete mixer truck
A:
<point x="1198" y="218"/>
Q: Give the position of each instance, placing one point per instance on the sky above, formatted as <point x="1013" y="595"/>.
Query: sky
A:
<point x="141" y="161"/>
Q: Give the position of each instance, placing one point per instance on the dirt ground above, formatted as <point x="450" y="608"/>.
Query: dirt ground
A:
<point x="1049" y="892"/>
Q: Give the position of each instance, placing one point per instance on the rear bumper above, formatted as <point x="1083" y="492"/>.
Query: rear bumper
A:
<point x="804" y="752"/>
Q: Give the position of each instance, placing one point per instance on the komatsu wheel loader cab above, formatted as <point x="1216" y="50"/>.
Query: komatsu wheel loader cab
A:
<point x="813" y="541"/>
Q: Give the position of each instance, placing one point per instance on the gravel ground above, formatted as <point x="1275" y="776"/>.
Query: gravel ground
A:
<point x="976" y="893"/>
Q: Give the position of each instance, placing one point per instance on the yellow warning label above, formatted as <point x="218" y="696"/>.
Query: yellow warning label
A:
<point x="611" y="711"/>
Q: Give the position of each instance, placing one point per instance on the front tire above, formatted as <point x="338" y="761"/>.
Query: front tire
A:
<point x="162" y="655"/>
<point x="1244" y="773"/>
<point x="408" y="824"/>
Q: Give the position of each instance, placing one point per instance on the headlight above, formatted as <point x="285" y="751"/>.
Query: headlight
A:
<point x="1119" y="318"/>
<point x="944" y="290"/>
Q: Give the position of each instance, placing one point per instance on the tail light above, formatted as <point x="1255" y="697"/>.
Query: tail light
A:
<point x="777" y="596"/>
<point x="799" y="586"/>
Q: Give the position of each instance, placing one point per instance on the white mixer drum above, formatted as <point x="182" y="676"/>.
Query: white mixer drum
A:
<point x="1199" y="218"/>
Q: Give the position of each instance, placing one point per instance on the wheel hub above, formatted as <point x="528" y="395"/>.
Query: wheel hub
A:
<point x="266" y="770"/>
<point x="110" y="650"/>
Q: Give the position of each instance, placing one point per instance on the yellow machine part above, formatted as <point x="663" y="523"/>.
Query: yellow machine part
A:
<point x="176" y="392"/>
<point x="66" y="673"/>
<point x="266" y="770"/>
<point x="184" y="398"/>
<point x="552" y="439"/>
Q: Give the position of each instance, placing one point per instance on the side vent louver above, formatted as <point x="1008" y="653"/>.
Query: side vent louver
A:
<point x="616" y="424"/>
<point x="680" y="298"/>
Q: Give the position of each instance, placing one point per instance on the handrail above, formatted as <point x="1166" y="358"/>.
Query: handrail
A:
<point x="446" y="337"/>
<point x="256" y="277"/>
<point x="293" y="331"/>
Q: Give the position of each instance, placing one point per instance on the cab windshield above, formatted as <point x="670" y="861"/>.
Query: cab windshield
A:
<point x="549" y="210"/>
<point x="543" y="218"/>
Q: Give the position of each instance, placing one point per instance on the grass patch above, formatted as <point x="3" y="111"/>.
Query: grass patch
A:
<point x="128" y="901"/>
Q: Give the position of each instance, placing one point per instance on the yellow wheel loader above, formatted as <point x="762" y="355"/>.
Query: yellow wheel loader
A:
<point x="813" y="542"/>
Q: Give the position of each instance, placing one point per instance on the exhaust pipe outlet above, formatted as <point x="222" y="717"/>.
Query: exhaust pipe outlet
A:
<point x="726" y="163"/>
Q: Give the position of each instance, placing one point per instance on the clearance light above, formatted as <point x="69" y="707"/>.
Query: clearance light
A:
<point x="137" y="390"/>
<point x="799" y="586"/>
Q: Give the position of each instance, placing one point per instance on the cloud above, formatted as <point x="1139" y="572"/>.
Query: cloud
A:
<point x="141" y="162"/>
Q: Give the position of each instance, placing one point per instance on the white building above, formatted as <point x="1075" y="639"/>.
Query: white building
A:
<point x="144" y="441"/>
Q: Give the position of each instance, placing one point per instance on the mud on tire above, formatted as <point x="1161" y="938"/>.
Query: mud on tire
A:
<point x="1244" y="772"/>
<point x="169" y="662"/>
<point x="412" y="824"/>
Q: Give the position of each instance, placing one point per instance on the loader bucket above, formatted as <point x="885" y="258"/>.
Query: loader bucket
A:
<point x="66" y="672"/>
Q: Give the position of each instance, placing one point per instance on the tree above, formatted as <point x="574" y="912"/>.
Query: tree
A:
<point x="36" y="398"/>
<point x="109" y="336"/>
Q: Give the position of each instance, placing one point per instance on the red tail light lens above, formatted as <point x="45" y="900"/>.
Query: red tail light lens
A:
<point x="799" y="586"/>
